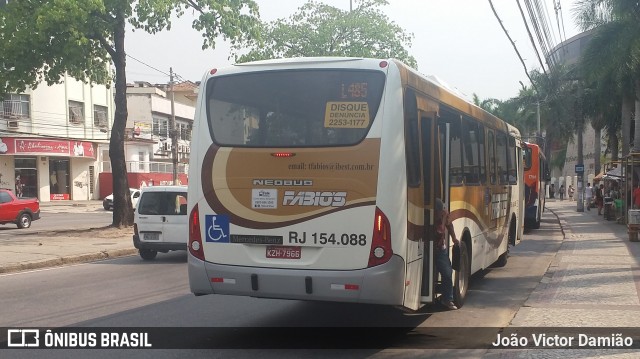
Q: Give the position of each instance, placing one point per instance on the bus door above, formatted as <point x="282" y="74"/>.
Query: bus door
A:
<point x="432" y="188"/>
<point x="439" y="175"/>
<point x="415" y="145"/>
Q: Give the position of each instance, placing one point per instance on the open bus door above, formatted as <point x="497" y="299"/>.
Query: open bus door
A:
<point x="439" y="188"/>
<point x="422" y="188"/>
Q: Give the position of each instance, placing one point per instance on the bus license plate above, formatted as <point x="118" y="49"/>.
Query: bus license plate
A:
<point x="284" y="252"/>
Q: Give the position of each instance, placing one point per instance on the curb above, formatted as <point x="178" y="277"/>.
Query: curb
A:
<point x="564" y="235"/>
<point x="67" y="260"/>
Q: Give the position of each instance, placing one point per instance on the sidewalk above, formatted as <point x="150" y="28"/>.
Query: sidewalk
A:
<point x="71" y="206"/>
<point x="45" y="249"/>
<point x="594" y="281"/>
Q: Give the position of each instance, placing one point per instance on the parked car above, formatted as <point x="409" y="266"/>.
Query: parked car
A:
<point x="160" y="221"/>
<point x="20" y="211"/>
<point x="107" y="202"/>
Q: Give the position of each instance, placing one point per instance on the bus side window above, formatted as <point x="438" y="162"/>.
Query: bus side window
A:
<point x="501" y="158"/>
<point x="470" y="150"/>
<point x="456" y="168"/>
<point x="412" y="140"/>
<point x="481" y="153"/>
<point x="511" y="159"/>
<point x="492" y="157"/>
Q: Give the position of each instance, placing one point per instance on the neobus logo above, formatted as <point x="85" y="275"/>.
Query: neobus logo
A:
<point x="281" y="182"/>
<point x="323" y="199"/>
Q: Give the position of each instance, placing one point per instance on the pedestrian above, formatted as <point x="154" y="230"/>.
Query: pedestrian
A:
<point x="636" y="197"/>
<point x="588" y="193"/>
<point x="552" y="191"/>
<point x="562" y="193"/>
<point x="19" y="186"/>
<point x="571" y="190"/>
<point x="600" y="198"/>
<point x="443" y="264"/>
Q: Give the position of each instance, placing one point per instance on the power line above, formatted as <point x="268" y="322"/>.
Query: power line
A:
<point x="513" y="44"/>
<point x="149" y="66"/>
<point x="533" y="43"/>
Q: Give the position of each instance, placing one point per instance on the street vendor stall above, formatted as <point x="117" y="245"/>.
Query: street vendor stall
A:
<point x="631" y="175"/>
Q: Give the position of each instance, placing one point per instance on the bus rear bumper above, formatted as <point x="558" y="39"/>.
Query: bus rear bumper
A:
<point x="382" y="284"/>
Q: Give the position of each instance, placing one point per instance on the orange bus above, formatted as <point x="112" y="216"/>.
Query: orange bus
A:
<point x="535" y="177"/>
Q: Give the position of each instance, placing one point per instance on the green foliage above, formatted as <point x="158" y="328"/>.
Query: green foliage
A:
<point x="317" y="29"/>
<point x="42" y="40"/>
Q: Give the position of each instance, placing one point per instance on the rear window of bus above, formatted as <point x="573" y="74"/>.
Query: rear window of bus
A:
<point x="300" y="108"/>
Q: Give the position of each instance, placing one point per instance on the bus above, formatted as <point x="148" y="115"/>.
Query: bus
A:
<point x="535" y="177"/>
<point x="317" y="178"/>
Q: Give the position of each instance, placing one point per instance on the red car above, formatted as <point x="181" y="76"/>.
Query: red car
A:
<point x="20" y="211"/>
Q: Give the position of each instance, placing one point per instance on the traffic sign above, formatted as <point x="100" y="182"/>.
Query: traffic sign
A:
<point x="579" y="168"/>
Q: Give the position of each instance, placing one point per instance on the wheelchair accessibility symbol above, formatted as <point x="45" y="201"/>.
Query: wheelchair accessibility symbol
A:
<point x="217" y="228"/>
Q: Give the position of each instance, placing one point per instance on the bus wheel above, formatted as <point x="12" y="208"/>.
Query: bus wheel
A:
<point x="461" y="281"/>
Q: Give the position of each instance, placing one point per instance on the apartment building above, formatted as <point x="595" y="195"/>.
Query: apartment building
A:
<point x="54" y="140"/>
<point x="49" y="139"/>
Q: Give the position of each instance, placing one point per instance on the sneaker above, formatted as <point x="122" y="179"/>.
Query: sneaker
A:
<point x="447" y="303"/>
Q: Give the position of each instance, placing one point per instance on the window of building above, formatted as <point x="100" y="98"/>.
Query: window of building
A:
<point x="184" y="132"/>
<point x="15" y="108"/>
<point x="99" y="116"/>
<point x="76" y="112"/>
<point x="160" y="127"/>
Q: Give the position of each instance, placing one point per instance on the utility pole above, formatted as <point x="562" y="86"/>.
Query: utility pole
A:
<point x="350" y="5"/>
<point x="538" y="134"/>
<point x="173" y="132"/>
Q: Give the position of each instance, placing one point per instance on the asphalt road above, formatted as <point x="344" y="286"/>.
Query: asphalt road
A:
<point x="128" y="292"/>
<point x="60" y="221"/>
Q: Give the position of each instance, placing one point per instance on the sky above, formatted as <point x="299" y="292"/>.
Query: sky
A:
<point x="459" y="41"/>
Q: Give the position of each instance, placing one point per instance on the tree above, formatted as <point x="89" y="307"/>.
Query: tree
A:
<point x="317" y="29"/>
<point x="613" y="52"/>
<point x="41" y="40"/>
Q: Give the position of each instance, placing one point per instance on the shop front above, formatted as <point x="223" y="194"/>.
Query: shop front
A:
<point x="48" y="169"/>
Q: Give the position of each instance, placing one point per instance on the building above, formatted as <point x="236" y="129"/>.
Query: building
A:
<point x="49" y="139"/>
<point x="148" y="144"/>
<point x="54" y="140"/>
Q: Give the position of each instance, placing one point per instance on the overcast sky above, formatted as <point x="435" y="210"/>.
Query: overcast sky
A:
<point x="460" y="41"/>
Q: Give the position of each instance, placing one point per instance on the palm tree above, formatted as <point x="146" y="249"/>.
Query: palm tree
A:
<point x="613" y="51"/>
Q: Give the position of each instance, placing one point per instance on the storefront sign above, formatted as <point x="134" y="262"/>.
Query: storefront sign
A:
<point x="36" y="146"/>
<point x="60" y="197"/>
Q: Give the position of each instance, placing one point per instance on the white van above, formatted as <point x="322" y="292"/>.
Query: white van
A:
<point x="160" y="220"/>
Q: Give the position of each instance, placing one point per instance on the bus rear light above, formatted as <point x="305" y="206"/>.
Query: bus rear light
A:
<point x="381" y="242"/>
<point x="283" y="154"/>
<point x="213" y="71"/>
<point x="383" y="64"/>
<point x="195" y="238"/>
